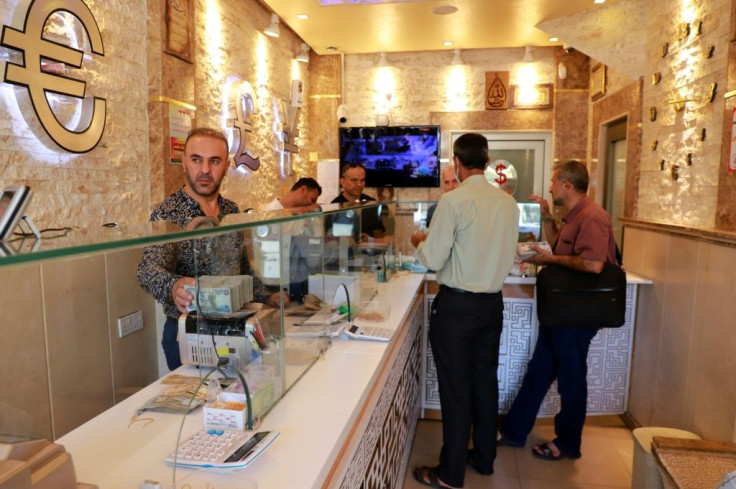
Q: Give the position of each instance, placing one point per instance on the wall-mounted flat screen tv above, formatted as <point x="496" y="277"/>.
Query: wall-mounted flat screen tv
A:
<point x="394" y="156"/>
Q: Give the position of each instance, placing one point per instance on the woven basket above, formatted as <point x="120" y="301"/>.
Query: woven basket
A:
<point x="693" y="464"/>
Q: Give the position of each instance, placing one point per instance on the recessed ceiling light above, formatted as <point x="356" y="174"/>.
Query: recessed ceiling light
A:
<point x="448" y="43"/>
<point x="553" y="39"/>
<point x="599" y="1"/>
<point x="444" y="10"/>
<point x="331" y="48"/>
<point x="302" y="16"/>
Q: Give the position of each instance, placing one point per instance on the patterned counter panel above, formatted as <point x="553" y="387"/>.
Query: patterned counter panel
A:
<point x="609" y="360"/>
<point x="382" y="452"/>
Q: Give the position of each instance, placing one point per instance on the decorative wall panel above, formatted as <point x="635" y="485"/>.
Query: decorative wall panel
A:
<point x="382" y="453"/>
<point x="609" y="360"/>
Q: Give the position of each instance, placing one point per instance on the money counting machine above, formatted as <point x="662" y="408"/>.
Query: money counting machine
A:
<point x="206" y="340"/>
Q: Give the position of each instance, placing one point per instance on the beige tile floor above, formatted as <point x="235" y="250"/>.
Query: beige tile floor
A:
<point x="606" y="463"/>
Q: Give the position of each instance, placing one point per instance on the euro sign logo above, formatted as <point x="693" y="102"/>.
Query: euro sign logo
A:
<point x="29" y="74"/>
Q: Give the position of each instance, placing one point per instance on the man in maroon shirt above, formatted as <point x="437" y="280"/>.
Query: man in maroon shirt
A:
<point x="584" y="242"/>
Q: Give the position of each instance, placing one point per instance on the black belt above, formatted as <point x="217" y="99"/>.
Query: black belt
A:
<point x="463" y="291"/>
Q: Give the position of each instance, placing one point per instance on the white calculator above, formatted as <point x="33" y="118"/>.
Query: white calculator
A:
<point x="223" y="449"/>
<point x="368" y="333"/>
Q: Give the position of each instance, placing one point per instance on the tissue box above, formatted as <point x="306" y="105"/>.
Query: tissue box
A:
<point x="224" y="418"/>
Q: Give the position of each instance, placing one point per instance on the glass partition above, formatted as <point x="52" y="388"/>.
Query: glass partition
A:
<point x="257" y="317"/>
<point x="285" y="280"/>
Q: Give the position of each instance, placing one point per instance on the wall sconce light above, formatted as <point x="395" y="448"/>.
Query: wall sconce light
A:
<point x="273" y="28"/>
<point x="382" y="59"/>
<point x="456" y="58"/>
<point x="528" y="58"/>
<point x="561" y="70"/>
<point x="303" y="54"/>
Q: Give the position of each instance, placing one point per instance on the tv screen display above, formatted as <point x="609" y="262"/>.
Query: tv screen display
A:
<point x="394" y="156"/>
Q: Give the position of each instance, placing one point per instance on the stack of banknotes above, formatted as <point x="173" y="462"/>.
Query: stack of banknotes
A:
<point x="221" y="294"/>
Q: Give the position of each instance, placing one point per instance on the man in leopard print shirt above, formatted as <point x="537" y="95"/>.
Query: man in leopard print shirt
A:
<point x="165" y="269"/>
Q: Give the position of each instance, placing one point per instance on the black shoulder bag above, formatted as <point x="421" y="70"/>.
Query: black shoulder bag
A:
<point x="567" y="297"/>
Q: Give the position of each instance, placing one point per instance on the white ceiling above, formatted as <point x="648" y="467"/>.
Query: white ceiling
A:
<point x="364" y="26"/>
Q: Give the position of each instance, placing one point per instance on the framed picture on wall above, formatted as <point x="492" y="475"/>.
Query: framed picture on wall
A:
<point x="179" y="28"/>
<point x="532" y="97"/>
<point x="597" y="81"/>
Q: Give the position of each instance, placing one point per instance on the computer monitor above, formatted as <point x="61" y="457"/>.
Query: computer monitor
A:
<point x="343" y="228"/>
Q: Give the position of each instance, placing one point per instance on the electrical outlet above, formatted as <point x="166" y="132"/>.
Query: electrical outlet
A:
<point x="130" y="323"/>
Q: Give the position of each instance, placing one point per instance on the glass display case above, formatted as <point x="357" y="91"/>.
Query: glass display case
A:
<point x="74" y="305"/>
<point x="81" y="335"/>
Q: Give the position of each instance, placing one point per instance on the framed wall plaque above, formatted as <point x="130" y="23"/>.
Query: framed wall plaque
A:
<point x="597" y="81"/>
<point x="179" y="28"/>
<point x="497" y="90"/>
<point x="533" y="97"/>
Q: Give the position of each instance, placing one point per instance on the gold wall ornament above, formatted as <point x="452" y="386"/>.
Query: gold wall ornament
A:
<point x="712" y="88"/>
<point x="689" y="159"/>
<point x="675" y="172"/>
<point x="652" y="114"/>
<point x="702" y="134"/>
<point x="656" y="78"/>
<point x="676" y="101"/>
<point x="26" y="36"/>
<point x="709" y="51"/>
<point x="679" y="104"/>
<point x="655" y="143"/>
<point x="662" y="165"/>
<point x="683" y="31"/>
<point x="665" y="49"/>
<point x="699" y="28"/>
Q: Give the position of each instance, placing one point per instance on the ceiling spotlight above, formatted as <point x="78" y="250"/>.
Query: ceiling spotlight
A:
<point x="382" y="59"/>
<point x="302" y="16"/>
<point x="273" y="28"/>
<point x="444" y="10"/>
<point x="447" y="44"/>
<point x="528" y="58"/>
<point x="456" y="58"/>
<point x="303" y="54"/>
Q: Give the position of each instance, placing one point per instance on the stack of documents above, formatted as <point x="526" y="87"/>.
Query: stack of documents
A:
<point x="221" y="294"/>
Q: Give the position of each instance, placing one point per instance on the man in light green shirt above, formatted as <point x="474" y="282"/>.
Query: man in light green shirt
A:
<point x="471" y="243"/>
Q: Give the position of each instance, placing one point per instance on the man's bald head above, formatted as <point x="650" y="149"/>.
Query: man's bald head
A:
<point x="449" y="180"/>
